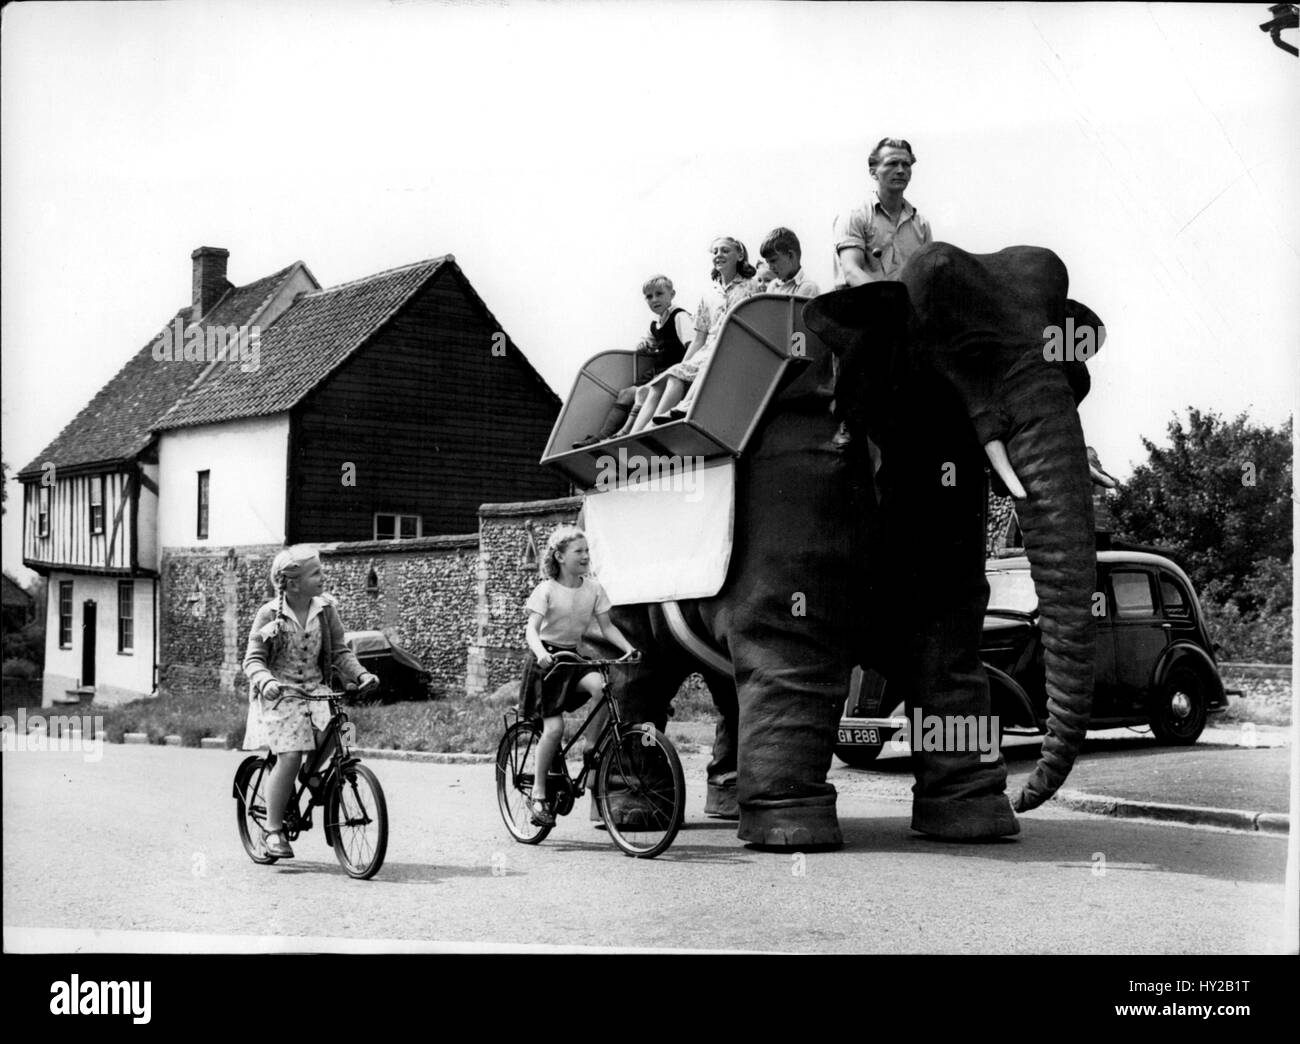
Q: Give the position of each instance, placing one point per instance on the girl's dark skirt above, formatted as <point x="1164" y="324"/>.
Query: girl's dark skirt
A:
<point x="540" y="698"/>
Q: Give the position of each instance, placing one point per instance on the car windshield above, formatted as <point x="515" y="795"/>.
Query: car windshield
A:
<point x="1013" y="590"/>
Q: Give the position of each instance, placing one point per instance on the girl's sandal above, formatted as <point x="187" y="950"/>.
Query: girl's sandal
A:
<point x="276" y="844"/>
<point x="541" y="815"/>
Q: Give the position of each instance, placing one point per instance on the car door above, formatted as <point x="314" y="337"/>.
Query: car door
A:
<point x="1138" y="632"/>
<point x="1106" y="684"/>
<point x="1177" y="607"/>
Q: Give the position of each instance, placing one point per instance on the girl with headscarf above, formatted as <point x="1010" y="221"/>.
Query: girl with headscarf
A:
<point x="296" y="640"/>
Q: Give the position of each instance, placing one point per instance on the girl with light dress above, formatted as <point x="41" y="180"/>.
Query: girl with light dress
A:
<point x="296" y="640"/>
<point x="733" y="279"/>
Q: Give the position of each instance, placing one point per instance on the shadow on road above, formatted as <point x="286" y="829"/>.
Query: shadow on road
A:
<point x="1125" y="846"/>
<point x="398" y="873"/>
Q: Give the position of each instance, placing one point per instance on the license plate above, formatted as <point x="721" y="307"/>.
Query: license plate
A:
<point x="860" y="735"/>
<point x="349" y="735"/>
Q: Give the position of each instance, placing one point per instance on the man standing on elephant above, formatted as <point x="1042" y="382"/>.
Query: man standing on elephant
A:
<point x="876" y="239"/>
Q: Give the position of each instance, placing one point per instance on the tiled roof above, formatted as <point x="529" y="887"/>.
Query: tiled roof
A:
<point x="301" y="348"/>
<point x="118" y="422"/>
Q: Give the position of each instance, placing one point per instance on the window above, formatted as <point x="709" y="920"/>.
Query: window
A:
<point x="97" y="503"/>
<point x="1176" y="607"/>
<point x="65" y="614"/>
<point x="202" y="532"/>
<point x="43" y="511"/>
<point x="1132" y="595"/>
<point x="397" y="527"/>
<point x="125" y="616"/>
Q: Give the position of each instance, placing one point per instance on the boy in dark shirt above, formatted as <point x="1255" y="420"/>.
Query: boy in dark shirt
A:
<point x="671" y="331"/>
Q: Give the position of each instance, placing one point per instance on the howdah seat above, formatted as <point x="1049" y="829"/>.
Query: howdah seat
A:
<point x="762" y="345"/>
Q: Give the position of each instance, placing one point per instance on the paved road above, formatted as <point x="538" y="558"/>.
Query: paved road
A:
<point x="1226" y="769"/>
<point x="145" y="841"/>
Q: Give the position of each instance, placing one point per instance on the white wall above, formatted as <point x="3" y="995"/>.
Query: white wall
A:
<point x="247" y="461"/>
<point x="119" y="677"/>
<point x="147" y="522"/>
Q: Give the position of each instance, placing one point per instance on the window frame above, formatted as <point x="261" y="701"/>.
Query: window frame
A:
<point x="397" y="518"/>
<point x="65" y="614"/>
<point x="203" y="505"/>
<point x="96" y="505"/>
<point x="126" y="620"/>
<point x="1181" y="612"/>
<point x="1119" y="613"/>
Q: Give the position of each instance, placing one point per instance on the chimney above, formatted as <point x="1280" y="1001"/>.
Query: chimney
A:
<point x="209" y="278"/>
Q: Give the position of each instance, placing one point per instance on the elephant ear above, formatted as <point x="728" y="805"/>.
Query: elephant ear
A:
<point x="850" y="318"/>
<point x="1076" y="370"/>
<point x="868" y="328"/>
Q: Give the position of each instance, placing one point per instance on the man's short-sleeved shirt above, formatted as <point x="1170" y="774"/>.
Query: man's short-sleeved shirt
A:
<point x="567" y="611"/>
<point x="869" y="227"/>
<point x="798" y="285"/>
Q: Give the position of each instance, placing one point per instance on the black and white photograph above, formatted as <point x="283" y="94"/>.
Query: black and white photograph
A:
<point x="650" y="478"/>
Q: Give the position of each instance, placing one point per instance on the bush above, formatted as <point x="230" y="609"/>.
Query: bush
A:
<point x="19" y="667"/>
<point x="1253" y="637"/>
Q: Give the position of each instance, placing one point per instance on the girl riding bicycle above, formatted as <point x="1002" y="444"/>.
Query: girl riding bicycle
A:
<point x="296" y="640"/>
<point x="560" y="610"/>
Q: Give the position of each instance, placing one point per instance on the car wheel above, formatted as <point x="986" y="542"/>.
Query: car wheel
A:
<point x="857" y="757"/>
<point x="1178" y="716"/>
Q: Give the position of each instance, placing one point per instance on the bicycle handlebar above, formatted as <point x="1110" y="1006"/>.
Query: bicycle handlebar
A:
<point x="570" y="659"/>
<point x="297" y="693"/>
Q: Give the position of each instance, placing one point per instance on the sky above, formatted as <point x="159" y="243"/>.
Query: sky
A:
<point x="564" y="152"/>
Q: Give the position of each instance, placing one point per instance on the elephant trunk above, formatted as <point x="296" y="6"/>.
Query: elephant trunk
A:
<point x="1047" y="452"/>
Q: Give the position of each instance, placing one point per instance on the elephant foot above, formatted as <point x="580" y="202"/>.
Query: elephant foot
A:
<point x="721" y="802"/>
<point x="805" y="825"/>
<point x="981" y="819"/>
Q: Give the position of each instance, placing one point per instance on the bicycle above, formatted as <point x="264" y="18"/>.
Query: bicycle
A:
<point x="639" y="787"/>
<point x="332" y="776"/>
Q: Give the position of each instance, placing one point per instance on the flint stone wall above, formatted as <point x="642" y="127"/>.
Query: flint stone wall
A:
<point x="455" y="602"/>
<point x="422" y="592"/>
<point x="511" y="540"/>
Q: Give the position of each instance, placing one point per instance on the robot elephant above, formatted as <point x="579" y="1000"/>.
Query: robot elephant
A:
<point x="859" y="539"/>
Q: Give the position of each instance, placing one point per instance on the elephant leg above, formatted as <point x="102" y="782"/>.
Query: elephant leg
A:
<point x="940" y="595"/>
<point x="961" y="779"/>
<point x="786" y="736"/>
<point x="644" y="690"/>
<point x="721" y="800"/>
<point x="784" y="620"/>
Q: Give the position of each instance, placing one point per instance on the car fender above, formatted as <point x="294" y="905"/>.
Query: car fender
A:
<point x="1010" y="690"/>
<point x="1003" y="689"/>
<point x="1181" y="652"/>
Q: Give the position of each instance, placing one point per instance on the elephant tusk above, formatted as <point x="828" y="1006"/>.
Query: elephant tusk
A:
<point x="1100" y="478"/>
<point x="997" y="454"/>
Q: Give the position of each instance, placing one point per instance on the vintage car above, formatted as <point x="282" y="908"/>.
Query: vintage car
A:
<point x="401" y="676"/>
<point x="1155" y="661"/>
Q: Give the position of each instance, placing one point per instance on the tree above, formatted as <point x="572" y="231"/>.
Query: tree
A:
<point x="1219" y="496"/>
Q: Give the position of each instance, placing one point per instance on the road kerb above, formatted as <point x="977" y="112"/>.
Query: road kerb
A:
<point x="1226" y="818"/>
<point x="428" y="757"/>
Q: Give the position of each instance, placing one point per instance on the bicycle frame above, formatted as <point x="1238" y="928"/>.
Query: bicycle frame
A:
<point x="613" y="725"/>
<point x="332" y="742"/>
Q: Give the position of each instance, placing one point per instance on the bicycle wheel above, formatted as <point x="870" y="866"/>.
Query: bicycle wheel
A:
<point x="357" y="818"/>
<point x="250" y="807"/>
<point x="516" y="768"/>
<point x="640" y="791"/>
